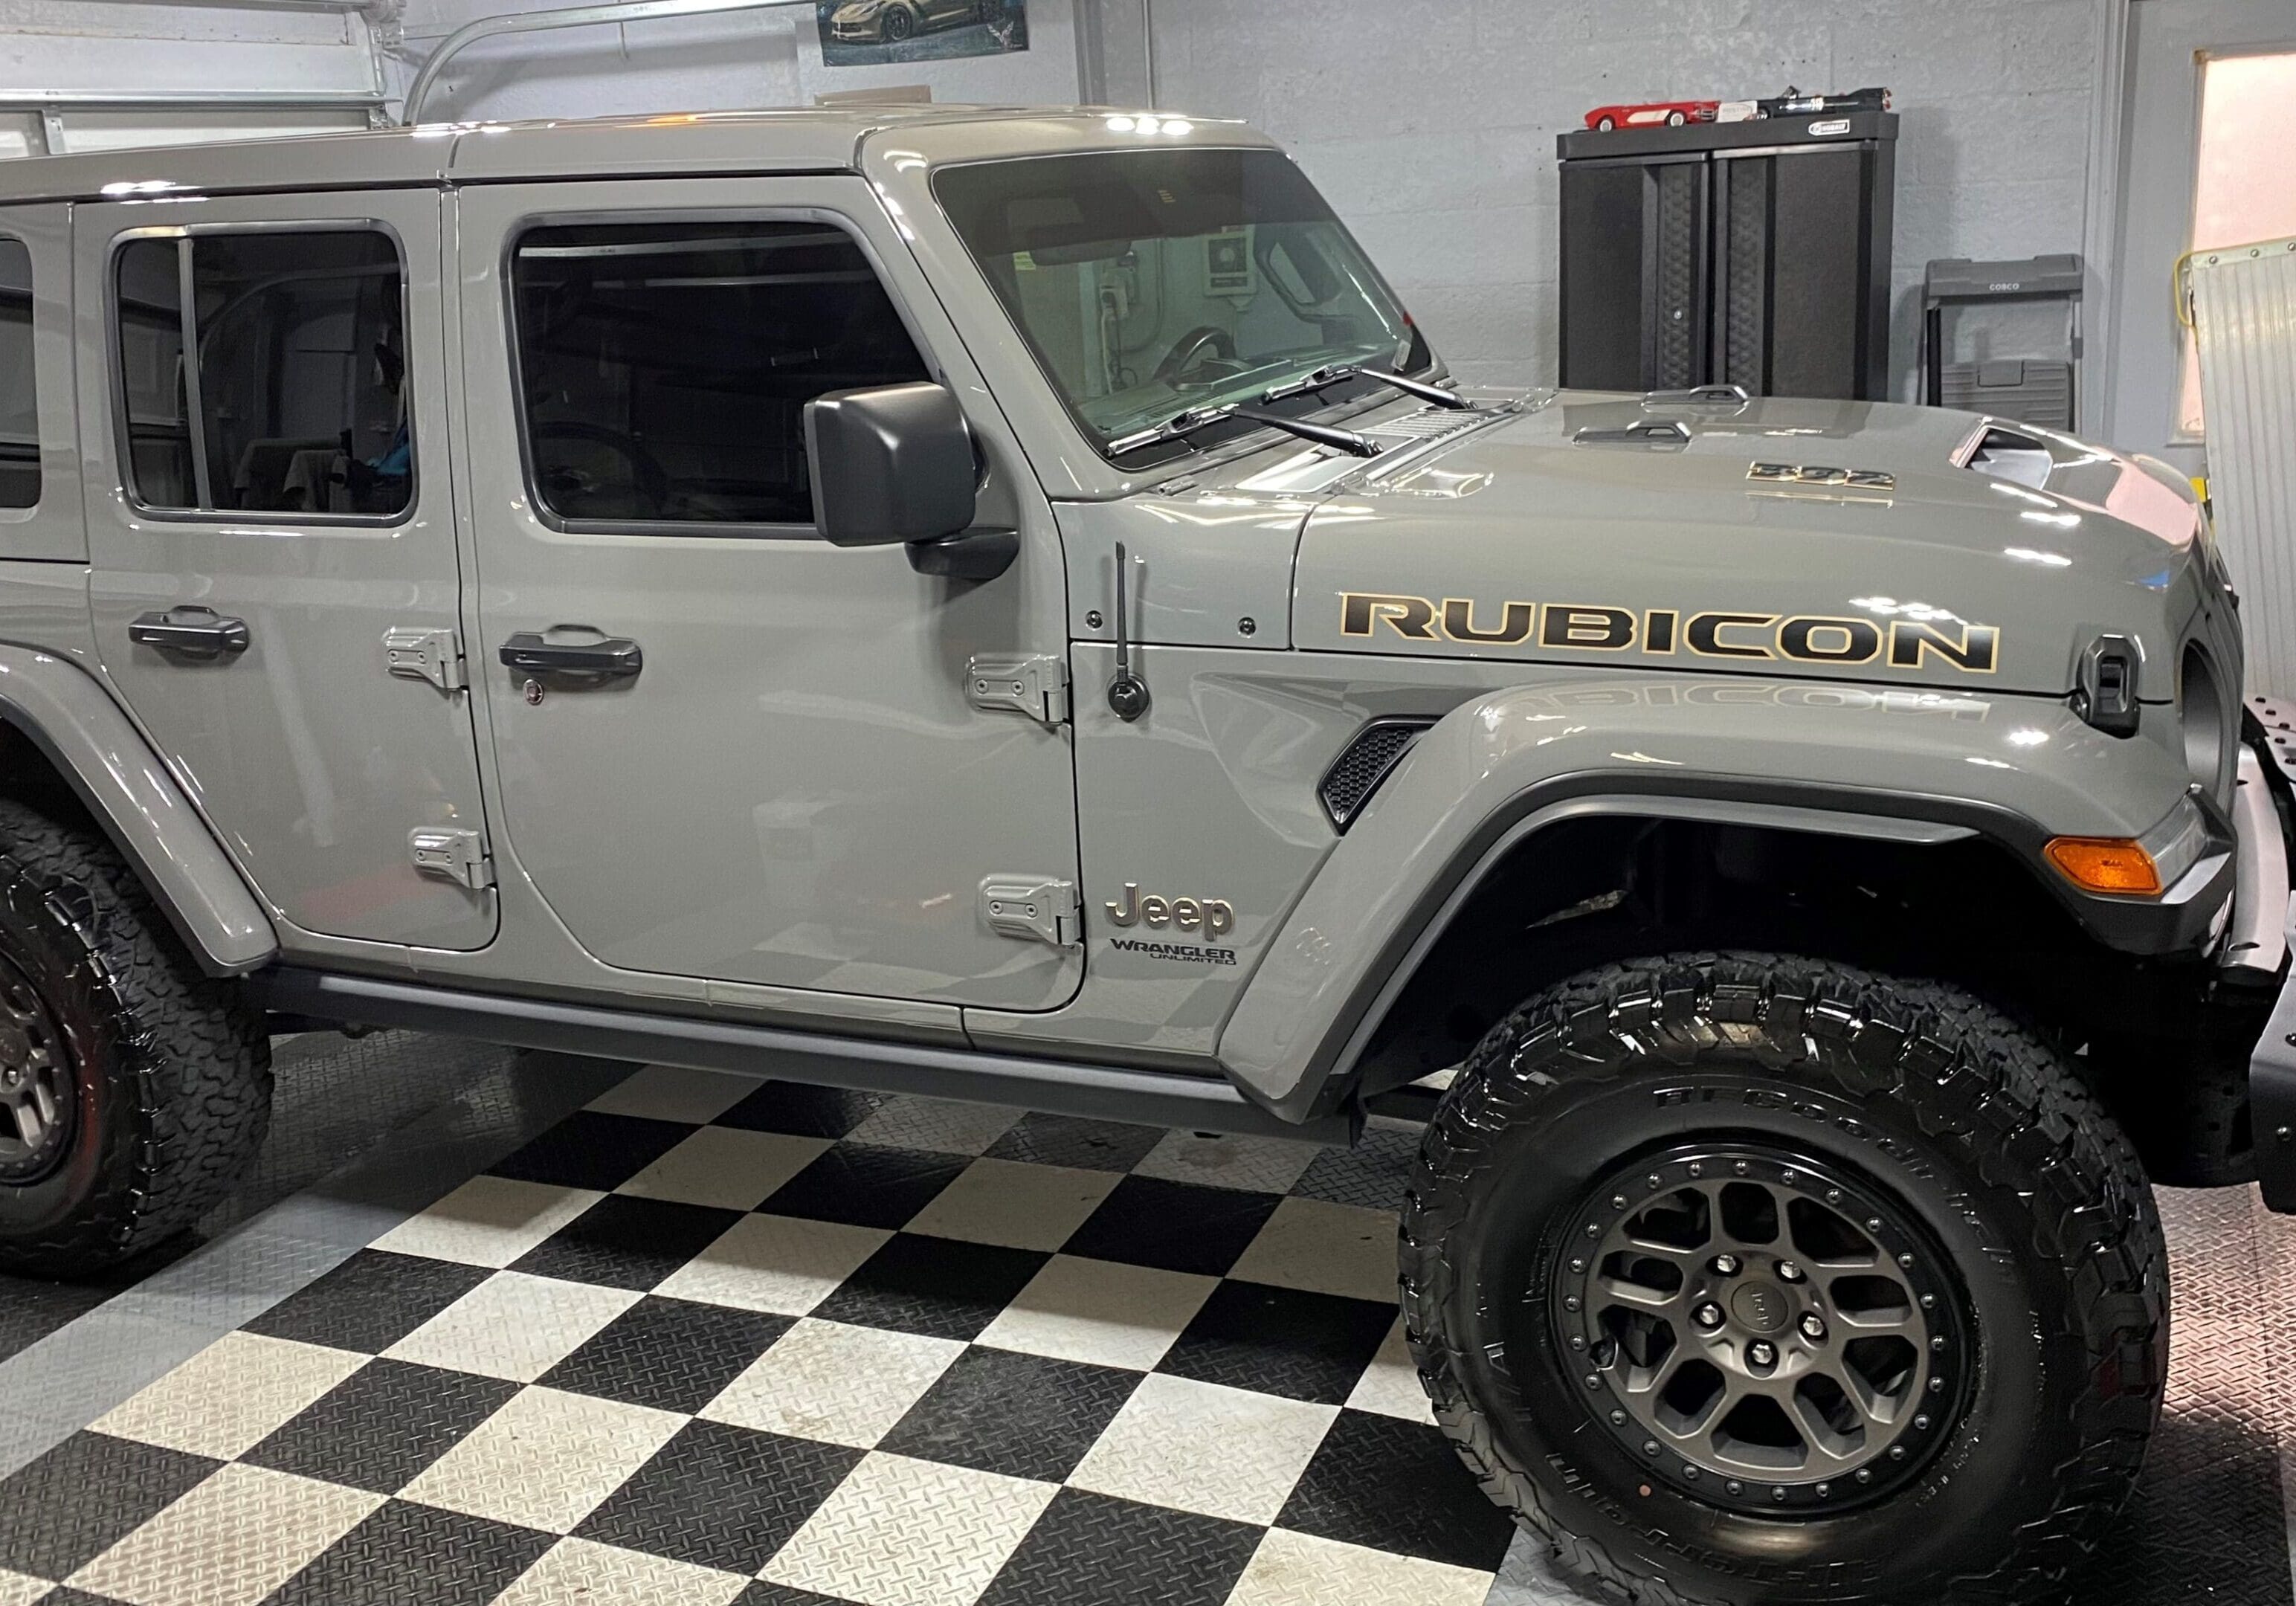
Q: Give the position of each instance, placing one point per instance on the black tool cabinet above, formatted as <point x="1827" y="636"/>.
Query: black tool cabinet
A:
<point x="1753" y="253"/>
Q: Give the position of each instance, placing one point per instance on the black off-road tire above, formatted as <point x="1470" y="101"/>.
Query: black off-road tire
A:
<point x="170" y="1090"/>
<point x="1933" y="1099"/>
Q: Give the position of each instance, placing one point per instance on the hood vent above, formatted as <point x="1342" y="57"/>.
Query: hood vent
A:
<point x="2009" y="455"/>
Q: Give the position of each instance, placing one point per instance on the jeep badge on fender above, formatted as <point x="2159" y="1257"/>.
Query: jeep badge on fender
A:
<point x="1213" y="917"/>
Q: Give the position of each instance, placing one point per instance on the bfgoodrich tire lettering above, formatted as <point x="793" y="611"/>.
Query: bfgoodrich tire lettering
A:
<point x="170" y="1071"/>
<point x="1975" y="1127"/>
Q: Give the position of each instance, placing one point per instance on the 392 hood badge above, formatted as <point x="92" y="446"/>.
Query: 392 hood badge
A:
<point x="1792" y="473"/>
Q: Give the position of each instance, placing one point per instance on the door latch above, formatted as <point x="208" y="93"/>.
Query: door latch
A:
<point x="1033" y="908"/>
<point x="451" y="854"/>
<point x="1037" y="685"/>
<point x="415" y="653"/>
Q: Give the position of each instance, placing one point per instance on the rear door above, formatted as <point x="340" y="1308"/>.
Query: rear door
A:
<point x="272" y="536"/>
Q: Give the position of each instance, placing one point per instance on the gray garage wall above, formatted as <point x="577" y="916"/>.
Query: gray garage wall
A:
<point x="1432" y="123"/>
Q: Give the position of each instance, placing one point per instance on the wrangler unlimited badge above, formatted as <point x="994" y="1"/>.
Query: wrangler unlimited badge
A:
<point x="1804" y="638"/>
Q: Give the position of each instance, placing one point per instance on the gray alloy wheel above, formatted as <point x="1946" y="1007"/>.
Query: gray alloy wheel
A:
<point x="39" y="1095"/>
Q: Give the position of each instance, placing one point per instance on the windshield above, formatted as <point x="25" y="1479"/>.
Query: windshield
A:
<point x="1153" y="283"/>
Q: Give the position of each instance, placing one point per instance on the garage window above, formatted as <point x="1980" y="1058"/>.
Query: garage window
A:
<point x="19" y="402"/>
<point x="664" y="368"/>
<point x="293" y="398"/>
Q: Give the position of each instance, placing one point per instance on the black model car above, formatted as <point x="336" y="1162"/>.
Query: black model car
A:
<point x="1793" y="103"/>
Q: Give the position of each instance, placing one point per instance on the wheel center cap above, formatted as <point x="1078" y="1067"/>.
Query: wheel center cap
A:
<point x="1761" y="1307"/>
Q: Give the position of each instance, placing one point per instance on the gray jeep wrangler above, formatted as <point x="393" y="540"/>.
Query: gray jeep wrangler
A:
<point x="1004" y="604"/>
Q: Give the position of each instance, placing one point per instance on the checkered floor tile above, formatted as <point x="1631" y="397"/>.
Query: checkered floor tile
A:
<point x="719" y="1342"/>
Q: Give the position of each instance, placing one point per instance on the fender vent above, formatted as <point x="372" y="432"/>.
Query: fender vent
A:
<point x="1356" y="773"/>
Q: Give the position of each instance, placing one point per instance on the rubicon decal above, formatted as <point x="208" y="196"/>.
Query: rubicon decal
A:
<point x="1667" y="632"/>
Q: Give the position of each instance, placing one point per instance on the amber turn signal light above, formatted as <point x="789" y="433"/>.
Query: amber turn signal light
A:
<point x="2105" y="864"/>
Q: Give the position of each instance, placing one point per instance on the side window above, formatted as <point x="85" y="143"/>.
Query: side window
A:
<point x="664" y="368"/>
<point x="293" y="398"/>
<point x="19" y="403"/>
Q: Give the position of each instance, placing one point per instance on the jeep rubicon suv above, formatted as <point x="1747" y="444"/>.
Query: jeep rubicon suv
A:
<point x="1004" y="604"/>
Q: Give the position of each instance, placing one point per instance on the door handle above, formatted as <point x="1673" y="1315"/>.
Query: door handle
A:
<point x="608" y="658"/>
<point x="190" y="631"/>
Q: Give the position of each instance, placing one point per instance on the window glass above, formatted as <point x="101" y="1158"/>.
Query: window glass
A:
<point x="300" y="403"/>
<point x="20" y="408"/>
<point x="665" y="367"/>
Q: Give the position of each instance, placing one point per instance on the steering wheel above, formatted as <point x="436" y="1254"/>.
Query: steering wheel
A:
<point x="1192" y="350"/>
<point x="642" y="490"/>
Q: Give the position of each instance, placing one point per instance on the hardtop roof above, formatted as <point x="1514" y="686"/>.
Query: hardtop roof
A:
<point x="796" y="139"/>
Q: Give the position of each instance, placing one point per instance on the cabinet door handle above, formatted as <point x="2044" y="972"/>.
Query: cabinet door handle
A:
<point x="606" y="659"/>
<point x="190" y="631"/>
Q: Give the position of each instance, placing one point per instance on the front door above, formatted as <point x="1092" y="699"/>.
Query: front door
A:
<point x="728" y="749"/>
<point x="268" y="501"/>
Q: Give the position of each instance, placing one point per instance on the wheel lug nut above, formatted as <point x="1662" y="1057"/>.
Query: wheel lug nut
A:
<point x="1696" y="1170"/>
<point x="1865" y="1475"/>
<point x="1761" y="1353"/>
<point x="1709" y="1316"/>
<point x="1593" y="1379"/>
<point x="1577" y="1263"/>
<point x="1739" y="1167"/>
<point x="1618" y="1419"/>
<point x="1938" y="1343"/>
<point x="1936" y="1385"/>
<point x="1813" y="1328"/>
<point x="1834" y="1196"/>
<point x="1578" y="1340"/>
<point x="1824" y="1489"/>
<point x="1906" y="1261"/>
<point x="1725" y="1265"/>
<point x="1777" y="1493"/>
<point x="1897" y="1452"/>
<point x="1736" y="1488"/>
<point x="1921" y="1424"/>
<point x="1649" y="1446"/>
<point x="1572" y="1303"/>
<point x="1788" y="1272"/>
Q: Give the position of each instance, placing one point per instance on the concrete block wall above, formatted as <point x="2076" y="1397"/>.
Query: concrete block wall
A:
<point x="1430" y="124"/>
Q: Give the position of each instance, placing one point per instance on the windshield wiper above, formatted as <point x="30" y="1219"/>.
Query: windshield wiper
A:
<point x="1186" y="423"/>
<point x="1333" y="373"/>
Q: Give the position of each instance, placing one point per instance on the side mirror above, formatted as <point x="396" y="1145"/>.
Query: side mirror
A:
<point x="889" y="465"/>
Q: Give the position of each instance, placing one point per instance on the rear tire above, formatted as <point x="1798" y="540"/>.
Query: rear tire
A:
<point x="1936" y="1173"/>
<point x="143" y="1085"/>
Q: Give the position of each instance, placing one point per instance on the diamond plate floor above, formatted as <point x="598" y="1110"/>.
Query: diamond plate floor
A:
<point x="559" y="1334"/>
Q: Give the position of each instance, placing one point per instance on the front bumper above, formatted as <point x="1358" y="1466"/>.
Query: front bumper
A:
<point x="2272" y="1065"/>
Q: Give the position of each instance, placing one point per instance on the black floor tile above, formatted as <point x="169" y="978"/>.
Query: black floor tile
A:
<point x="1280" y="1341"/>
<point x="1397" y="1486"/>
<point x="668" y="1353"/>
<point x="1089" y="1549"/>
<point x="404" y="1554"/>
<point x="631" y="1244"/>
<point x="721" y="1496"/>
<point x="1068" y="1140"/>
<point x="63" y="1510"/>
<point x="934" y="1286"/>
<point x="804" y="1111"/>
<point x="762" y="1593"/>
<point x="370" y="1301"/>
<point x="866" y="1185"/>
<point x="382" y="1425"/>
<point x="1023" y="1415"/>
<point x="590" y="1149"/>
<point x="1176" y="1225"/>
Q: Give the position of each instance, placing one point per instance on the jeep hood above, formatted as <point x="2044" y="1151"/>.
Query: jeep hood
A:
<point x="1544" y="529"/>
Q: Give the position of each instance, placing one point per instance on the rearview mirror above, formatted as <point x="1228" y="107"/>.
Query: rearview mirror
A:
<point x="889" y="465"/>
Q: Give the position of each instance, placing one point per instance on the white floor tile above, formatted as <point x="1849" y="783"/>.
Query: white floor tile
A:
<point x="899" y="1532"/>
<point x="777" y="1263"/>
<point x="946" y="1124"/>
<point x="229" y="1397"/>
<point x="576" y="1572"/>
<point x="1389" y="1385"/>
<point x="1298" y="1569"/>
<point x="1022" y="1206"/>
<point x="488" y="1221"/>
<point x="671" y="1092"/>
<point x="1262" y="1165"/>
<point x="1202" y="1447"/>
<point x="513" y="1326"/>
<point x="1099" y="1312"/>
<point x="725" y="1168"/>
<point x="16" y="1589"/>
<point x="1325" y="1249"/>
<point x="827" y="1380"/>
<point x="545" y="1460"/>
<point x="230" y="1542"/>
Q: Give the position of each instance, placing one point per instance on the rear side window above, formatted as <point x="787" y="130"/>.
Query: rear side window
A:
<point x="664" y="368"/>
<point x="266" y="372"/>
<point x="19" y="402"/>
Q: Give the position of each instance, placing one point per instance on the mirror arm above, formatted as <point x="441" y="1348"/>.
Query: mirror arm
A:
<point x="971" y="555"/>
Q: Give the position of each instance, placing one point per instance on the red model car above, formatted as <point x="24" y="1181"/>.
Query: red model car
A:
<point x="1672" y="113"/>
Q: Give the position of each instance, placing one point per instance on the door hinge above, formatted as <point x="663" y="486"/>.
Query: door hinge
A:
<point x="1037" y="685"/>
<point x="1033" y="908"/>
<point x="451" y="854"/>
<point x="431" y="655"/>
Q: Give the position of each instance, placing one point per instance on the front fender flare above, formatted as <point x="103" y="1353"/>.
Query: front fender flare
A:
<point x="62" y="711"/>
<point x="1891" y="763"/>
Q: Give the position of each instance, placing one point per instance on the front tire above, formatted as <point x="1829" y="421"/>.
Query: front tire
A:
<point x="133" y="1089"/>
<point x="1880" y="1206"/>
<point x="900" y="26"/>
